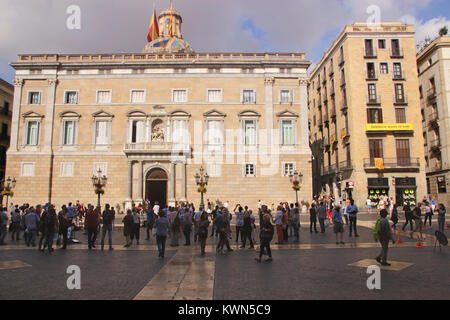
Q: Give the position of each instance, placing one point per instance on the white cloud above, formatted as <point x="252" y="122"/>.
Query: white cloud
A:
<point x="426" y="29"/>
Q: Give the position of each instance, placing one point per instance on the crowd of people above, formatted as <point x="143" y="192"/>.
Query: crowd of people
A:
<point x="41" y="226"/>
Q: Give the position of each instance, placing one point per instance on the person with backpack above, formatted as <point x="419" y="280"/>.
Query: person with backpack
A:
<point x="338" y="223"/>
<point x="266" y="236"/>
<point x="203" y="225"/>
<point x="382" y="233"/>
<point x="107" y="220"/>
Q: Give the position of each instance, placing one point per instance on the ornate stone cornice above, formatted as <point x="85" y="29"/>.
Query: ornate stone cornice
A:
<point x="269" y="81"/>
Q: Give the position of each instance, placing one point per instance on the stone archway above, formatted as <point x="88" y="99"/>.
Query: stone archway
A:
<point x="156" y="186"/>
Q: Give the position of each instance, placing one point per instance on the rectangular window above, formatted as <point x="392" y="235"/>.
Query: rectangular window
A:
<point x="137" y="96"/>
<point x="395" y="47"/>
<point x="371" y="71"/>
<point x="248" y="96"/>
<point x="102" y="132"/>
<point x="442" y="186"/>
<point x="67" y="169"/>
<point x="250" y="170"/>
<point x="400" y="115"/>
<point x="375" y="150"/>
<point x="180" y="131"/>
<point x="374" y="115"/>
<point x="68" y="132"/>
<point x="32" y="133"/>
<point x="285" y="96"/>
<point x="288" y="169"/>
<point x="179" y="95"/>
<point x="398" y="74"/>
<point x="71" y="97"/>
<point x="250" y="132"/>
<point x="103" y="96"/>
<point x="382" y="44"/>
<point x="34" y="97"/>
<point x="214" y="96"/>
<point x="403" y="153"/>
<point x="372" y="91"/>
<point x="27" y="169"/>
<point x="287" y="132"/>
<point x="369" y="50"/>
<point x="215" y="132"/>
<point x="399" y="93"/>
<point x="384" y="68"/>
<point x="138" y="131"/>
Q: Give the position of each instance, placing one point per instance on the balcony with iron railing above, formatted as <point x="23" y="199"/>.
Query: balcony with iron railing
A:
<point x="373" y="100"/>
<point x="326" y="142"/>
<point x="327" y="170"/>
<point x="370" y="52"/>
<point x="396" y="53"/>
<point x="333" y="112"/>
<point x="400" y="100"/>
<point x="345" y="133"/>
<point x="435" y="145"/>
<point x="431" y="94"/>
<point x="394" y="164"/>
<point x="331" y="72"/>
<point x="346" y="165"/>
<point x="157" y="147"/>
<point x="433" y="119"/>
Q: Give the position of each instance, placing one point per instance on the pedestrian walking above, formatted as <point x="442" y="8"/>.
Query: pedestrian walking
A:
<point x="3" y="225"/>
<point x="107" y="221"/>
<point x="15" y="224"/>
<point x="151" y="216"/>
<point x="279" y="225"/>
<point x="31" y="221"/>
<point x="64" y="224"/>
<point x="187" y="227"/>
<point x="428" y="214"/>
<point x="196" y="219"/>
<point x="417" y="216"/>
<point x="203" y="225"/>
<point x="408" y="217"/>
<point x="313" y="218"/>
<point x="247" y="229"/>
<point x="394" y="217"/>
<point x="322" y="215"/>
<point x="338" y="223"/>
<point x="441" y="217"/>
<point x="369" y="205"/>
<point x="136" y="226"/>
<point x="50" y="230"/>
<point x="223" y="226"/>
<point x="91" y="223"/>
<point x="162" y="226"/>
<point x="352" y="210"/>
<point x="383" y="234"/>
<point x="128" y="228"/>
<point x="266" y="236"/>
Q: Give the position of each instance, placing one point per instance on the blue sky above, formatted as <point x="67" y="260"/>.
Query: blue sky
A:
<point x="108" y="26"/>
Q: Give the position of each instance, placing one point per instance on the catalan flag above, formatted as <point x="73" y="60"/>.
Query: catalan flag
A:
<point x="171" y="21"/>
<point x="153" y="30"/>
<point x="379" y="163"/>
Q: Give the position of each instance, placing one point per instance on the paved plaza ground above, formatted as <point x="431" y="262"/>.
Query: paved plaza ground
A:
<point x="316" y="268"/>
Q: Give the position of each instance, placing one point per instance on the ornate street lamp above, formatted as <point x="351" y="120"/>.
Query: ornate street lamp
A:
<point x="99" y="183"/>
<point x="202" y="181"/>
<point x="296" y="180"/>
<point x="6" y="187"/>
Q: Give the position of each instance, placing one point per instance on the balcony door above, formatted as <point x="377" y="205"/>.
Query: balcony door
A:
<point x="375" y="150"/>
<point x="403" y="152"/>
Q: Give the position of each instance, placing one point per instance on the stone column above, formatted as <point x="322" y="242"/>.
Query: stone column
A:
<point x="129" y="198"/>
<point x="304" y="141"/>
<point x="269" y="110"/>
<point x="172" y="183"/>
<point x="140" y="198"/>
<point x="50" y="112"/>
<point x="18" y="83"/>
<point x="183" y="181"/>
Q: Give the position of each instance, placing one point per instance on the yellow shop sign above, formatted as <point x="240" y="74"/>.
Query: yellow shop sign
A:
<point x="389" y="127"/>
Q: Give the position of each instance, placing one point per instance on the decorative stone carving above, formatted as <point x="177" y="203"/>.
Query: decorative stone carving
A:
<point x="303" y="82"/>
<point x="269" y="81"/>
<point x="158" y="131"/>
<point x="52" y="82"/>
<point x="18" y="82"/>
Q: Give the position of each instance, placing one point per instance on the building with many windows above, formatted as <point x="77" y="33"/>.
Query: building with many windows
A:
<point x="150" y="120"/>
<point x="366" y="131"/>
<point x="6" y="102"/>
<point x="434" y="78"/>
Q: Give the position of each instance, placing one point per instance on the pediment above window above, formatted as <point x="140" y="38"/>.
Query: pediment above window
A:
<point x="214" y="113"/>
<point x="32" y="114"/>
<point x="249" y="113"/>
<point x="102" y="114"/>
<point x="137" y="113"/>
<point x="179" y="113"/>
<point x="287" y="114"/>
<point x="69" y="114"/>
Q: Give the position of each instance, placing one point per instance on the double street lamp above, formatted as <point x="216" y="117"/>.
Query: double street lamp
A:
<point x="6" y="188"/>
<point x="296" y="180"/>
<point x="202" y="181"/>
<point x="99" y="183"/>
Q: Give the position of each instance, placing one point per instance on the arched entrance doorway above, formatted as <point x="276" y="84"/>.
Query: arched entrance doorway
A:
<point x="156" y="187"/>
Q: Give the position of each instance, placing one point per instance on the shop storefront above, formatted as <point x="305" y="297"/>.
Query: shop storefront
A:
<point x="377" y="188"/>
<point x="405" y="191"/>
